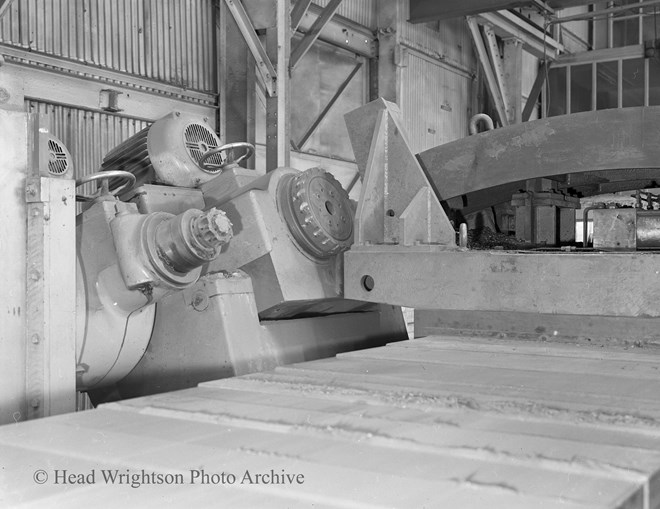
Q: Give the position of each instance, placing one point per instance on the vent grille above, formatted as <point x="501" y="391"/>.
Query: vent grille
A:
<point x="58" y="162"/>
<point x="199" y="139"/>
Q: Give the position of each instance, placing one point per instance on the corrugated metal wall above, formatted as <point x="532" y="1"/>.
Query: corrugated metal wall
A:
<point x="448" y="40"/>
<point x="165" y="40"/>
<point x="362" y="12"/>
<point x="88" y="135"/>
<point x="434" y="102"/>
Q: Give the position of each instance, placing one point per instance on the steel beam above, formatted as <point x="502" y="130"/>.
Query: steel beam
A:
<point x="298" y="12"/>
<point x="73" y="84"/>
<point x="264" y="64"/>
<point x="306" y="42"/>
<point x="613" y="139"/>
<point x="328" y="107"/>
<point x="491" y="80"/>
<point x="534" y="93"/>
<point x="497" y="65"/>
<point x="233" y="77"/>
<point x="342" y="32"/>
<point x="512" y="91"/>
<point x="4" y="6"/>
<point x="426" y="278"/>
<point x="507" y="24"/>
<point x="387" y="83"/>
<point x="422" y="11"/>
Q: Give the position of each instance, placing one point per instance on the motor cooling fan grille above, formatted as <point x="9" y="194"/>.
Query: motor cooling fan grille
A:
<point x="199" y="139"/>
<point x="58" y="162"/>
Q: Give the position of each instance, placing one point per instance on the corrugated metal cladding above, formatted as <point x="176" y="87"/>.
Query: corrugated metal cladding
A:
<point x="449" y="39"/>
<point x="362" y="12"/>
<point x="166" y="40"/>
<point x="88" y="135"/>
<point x="434" y="102"/>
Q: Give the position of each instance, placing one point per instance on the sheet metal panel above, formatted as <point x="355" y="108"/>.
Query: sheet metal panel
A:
<point x="448" y="39"/>
<point x="166" y="40"/>
<point x="436" y="422"/>
<point x="88" y="135"/>
<point x="362" y="12"/>
<point x="434" y="102"/>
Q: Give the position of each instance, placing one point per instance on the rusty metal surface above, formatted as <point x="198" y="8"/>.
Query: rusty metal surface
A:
<point x="438" y="422"/>
<point x="616" y="139"/>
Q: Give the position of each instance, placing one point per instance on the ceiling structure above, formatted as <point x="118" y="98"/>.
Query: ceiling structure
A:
<point x="429" y="10"/>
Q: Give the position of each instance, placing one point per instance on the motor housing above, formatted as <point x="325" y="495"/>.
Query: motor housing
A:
<point x="168" y="152"/>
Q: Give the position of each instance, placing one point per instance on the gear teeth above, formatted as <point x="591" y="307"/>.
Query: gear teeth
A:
<point x="316" y="212"/>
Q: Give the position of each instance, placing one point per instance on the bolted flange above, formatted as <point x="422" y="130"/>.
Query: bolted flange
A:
<point x="317" y="211"/>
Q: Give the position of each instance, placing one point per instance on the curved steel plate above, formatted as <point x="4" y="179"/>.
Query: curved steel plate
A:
<point x="617" y="139"/>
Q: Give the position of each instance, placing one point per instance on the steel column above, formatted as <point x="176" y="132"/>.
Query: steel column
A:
<point x="50" y="310"/>
<point x="262" y="57"/>
<point x="278" y="125"/>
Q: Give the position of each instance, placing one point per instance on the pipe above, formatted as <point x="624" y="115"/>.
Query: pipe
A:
<point x="585" y="221"/>
<point x="472" y="127"/>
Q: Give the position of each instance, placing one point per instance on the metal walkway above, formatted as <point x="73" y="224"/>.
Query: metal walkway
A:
<point x="436" y="422"/>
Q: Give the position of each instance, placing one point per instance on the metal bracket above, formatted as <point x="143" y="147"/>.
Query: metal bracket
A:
<point x="398" y="204"/>
<point x="264" y="65"/>
<point x="109" y="100"/>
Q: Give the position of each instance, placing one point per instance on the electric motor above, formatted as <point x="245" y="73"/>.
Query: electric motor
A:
<point x="169" y="152"/>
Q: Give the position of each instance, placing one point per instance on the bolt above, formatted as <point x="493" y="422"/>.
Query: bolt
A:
<point x="34" y="403"/>
<point x="35" y="339"/>
<point x="35" y="275"/>
<point x="31" y="190"/>
<point x="200" y="301"/>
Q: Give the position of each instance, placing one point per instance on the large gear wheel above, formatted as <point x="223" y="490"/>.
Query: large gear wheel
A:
<point x="317" y="211"/>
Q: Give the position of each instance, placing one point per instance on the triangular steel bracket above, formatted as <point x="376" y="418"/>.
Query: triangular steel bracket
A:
<point x="398" y="204"/>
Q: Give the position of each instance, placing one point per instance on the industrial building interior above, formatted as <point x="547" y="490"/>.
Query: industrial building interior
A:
<point x="330" y="253"/>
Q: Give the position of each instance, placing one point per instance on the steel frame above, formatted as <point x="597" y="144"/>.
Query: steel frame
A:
<point x="310" y="37"/>
<point x="51" y="79"/>
<point x="418" y="264"/>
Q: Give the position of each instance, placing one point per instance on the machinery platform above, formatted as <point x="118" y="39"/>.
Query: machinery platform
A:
<point x="442" y="422"/>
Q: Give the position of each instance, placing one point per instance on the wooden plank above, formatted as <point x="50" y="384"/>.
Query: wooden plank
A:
<point x="368" y="429"/>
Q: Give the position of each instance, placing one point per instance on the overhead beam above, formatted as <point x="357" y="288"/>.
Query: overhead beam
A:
<point x="422" y="11"/>
<point x="507" y="24"/>
<point x="306" y="42"/>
